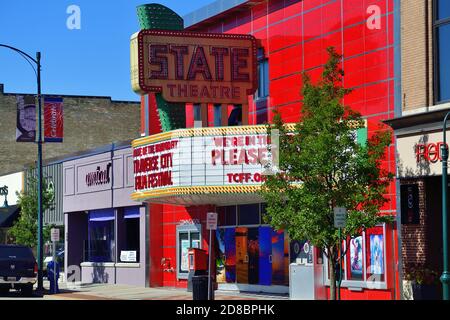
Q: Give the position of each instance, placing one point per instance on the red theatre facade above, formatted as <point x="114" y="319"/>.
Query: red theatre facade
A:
<point x="290" y="37"/>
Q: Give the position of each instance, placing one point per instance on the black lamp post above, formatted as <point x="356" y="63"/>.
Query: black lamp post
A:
<point x="37" y="61"/>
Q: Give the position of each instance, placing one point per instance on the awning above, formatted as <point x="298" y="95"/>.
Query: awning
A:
<point x="101" y="215"/>
<point x="131" y="212"/>
<point x="417" y="119"/>
<point x="8" y="215"/>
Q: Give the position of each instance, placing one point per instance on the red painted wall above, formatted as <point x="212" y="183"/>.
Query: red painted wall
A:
<point x="295" y="35"/>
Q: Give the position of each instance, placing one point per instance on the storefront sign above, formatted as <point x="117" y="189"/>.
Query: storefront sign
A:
<point x="194" y="67"/>
<point x="420" y="155"/>
<point x="53" y="119"/>
<point x="214" y="160"/>
<point x="410" y="203"/>
<point x="429" y="152"/>
<point x="100" y="176"/>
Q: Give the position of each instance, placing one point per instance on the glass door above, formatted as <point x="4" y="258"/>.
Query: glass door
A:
<point x="242" y="257"/>
<point x="265" y="256"/>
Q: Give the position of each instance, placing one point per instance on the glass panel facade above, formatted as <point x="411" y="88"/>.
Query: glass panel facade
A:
<point x="217" y="115"/>
<point x="101" y="242"/>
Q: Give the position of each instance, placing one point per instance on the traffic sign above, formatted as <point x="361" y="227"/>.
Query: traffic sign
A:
<point x="340" y="216"/>
<point x="211" y="221"/>
<point x="54" y="234"/>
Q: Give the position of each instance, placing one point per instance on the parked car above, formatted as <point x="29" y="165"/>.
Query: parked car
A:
<point x="18" y="269"/>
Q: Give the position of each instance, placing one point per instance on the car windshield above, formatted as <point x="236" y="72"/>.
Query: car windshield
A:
<point x="12" y="252"/>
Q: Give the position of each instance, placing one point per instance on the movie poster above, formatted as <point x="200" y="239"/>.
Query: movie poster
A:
<point x="220" y="256"/>
<point x="356" y="258"/>
<point x="230" y="255"/>
<point x="26" y="119"/>
<point x="278" y="273"/>
<point x="376" y="254"/>
<point x="184" y="255"/>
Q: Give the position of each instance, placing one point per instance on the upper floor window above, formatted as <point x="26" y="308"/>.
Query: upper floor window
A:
<point x="217" y="115"/>
<point x="442" y="57"/>
<point x="263" y="75"/>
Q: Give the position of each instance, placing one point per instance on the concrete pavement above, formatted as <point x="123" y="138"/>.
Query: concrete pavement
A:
<point x="125" y="292"/>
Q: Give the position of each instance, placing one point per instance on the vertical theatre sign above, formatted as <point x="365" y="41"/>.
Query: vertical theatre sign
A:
<point x="194" y="67"/>
<point x="26" y="119"/>
<point x="53" y="119"/>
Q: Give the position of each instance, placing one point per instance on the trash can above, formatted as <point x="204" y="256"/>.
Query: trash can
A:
<point x="200" y="288"/>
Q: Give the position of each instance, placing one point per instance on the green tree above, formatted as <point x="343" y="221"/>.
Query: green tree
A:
<point x="25" y="229"/>
<point x="323" y="166"/>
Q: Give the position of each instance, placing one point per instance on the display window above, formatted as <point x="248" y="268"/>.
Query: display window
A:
<point x="365" y="259"/>
<point x="248" y="252"/>
<point x="100" y="245"/>
<point x="188" y="236"/>
<point x="129" y="240"/>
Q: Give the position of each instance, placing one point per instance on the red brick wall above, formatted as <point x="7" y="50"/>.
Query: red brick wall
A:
<point x="414" y="240"/>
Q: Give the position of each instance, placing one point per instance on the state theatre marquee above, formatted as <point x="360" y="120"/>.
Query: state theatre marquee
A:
<point x="202" y="165"/>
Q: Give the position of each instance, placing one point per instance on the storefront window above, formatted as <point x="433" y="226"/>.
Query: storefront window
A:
<point x="365" y="258"/>
<point x="248" y="214"/>
<point x="442" y="59"/>
<point x="227" y="215"/>
<point x="129" y="248"/>
<point x="188" y="236"/>
<point x="101" y="240"/>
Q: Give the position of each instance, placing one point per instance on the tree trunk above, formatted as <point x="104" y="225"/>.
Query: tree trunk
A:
<point x="331" y="267"/>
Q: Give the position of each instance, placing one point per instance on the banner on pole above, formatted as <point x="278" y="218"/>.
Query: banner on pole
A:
<point x="26" y="119"/>
<point x="53" y="119"/>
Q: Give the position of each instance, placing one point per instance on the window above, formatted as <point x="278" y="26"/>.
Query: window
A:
<point x="129" y="235"/>
<point x="197" y="112"/>
<point x="263" y="75"/>
<point x="263" y="88"/>
<point x="101" y="240"/>
<point x="365" y="259"/>
<point x="188" y="236"/>
<point x="217" y="115"/>
<point x="235" y="118"/>
<point x="248" y="214"/>
<point x="442" y="58"/>
<point x="227" y="215"/>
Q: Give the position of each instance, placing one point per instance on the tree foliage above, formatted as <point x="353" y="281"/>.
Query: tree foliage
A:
<point x="25" y="229"/>
<point x="334" y="170"/>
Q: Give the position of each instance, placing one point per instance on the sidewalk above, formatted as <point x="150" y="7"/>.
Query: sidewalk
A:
<point x="125" y="292"/>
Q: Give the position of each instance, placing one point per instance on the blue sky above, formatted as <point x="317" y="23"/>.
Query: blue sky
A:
<point x="91" y="61"/>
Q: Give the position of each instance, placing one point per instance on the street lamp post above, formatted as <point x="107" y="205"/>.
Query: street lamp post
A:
<point x="445" y="278"/>
<point x="37" y="61"/>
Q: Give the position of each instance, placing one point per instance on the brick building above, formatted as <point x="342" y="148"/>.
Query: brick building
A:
<point x="89" y="122"/>
<point x="418" y="125"/>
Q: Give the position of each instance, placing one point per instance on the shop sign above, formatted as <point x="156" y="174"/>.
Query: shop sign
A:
<point x="429" y="152"/>
<point x="100" y="176"/>
<point x="420" y="155"/>
<point x="194" y="67"/>
<point x="201" y="161"/>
